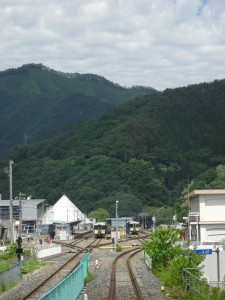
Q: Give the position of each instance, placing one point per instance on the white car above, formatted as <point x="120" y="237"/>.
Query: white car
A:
<point x="206" y="245"/>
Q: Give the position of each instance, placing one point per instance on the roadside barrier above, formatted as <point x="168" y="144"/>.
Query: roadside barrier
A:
<point x="47" y="250"/>
<point x="71" y="287"/>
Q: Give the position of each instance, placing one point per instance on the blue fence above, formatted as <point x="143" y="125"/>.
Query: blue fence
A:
<point x="71" y="286"/>
<point x="12" y="275"/>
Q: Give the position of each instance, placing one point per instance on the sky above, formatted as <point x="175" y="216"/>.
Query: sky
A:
<point x="155" y="43"/>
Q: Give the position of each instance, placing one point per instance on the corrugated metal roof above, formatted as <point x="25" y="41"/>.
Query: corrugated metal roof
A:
<point x="17" y="202"/>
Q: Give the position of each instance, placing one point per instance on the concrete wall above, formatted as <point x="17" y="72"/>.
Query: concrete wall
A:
<point x="212" y="208"/>
<point x="11" y="275"/>
<point x="48" y="250"/>
<point x="210" y="266"/>
<point x="212" y="232"/>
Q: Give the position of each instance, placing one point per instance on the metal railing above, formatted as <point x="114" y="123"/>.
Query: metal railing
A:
<point x="72" y="285"/>
<point x="148" y="260"/>
<point x="194" y="217"/>
<point x="193" y="281"/>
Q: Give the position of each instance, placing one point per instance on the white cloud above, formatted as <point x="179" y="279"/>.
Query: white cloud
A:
<point x="158" y="43"/>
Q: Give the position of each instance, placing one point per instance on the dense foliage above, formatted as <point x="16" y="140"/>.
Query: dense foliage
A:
<point x="143" y="153"/>
<point x="161" y="247"/>
<point x="169" y="261"/>
<point x="9" y="257"/>
<point x="99" y="214"/>
<point x="37" y="103"/>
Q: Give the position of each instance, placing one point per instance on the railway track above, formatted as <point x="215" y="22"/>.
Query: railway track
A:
<point x="119" y="281"/>
<point x="78" y="239"/>
<point x="66" y="268"/>
<point x="73" y="263"/>
<point x="73" y="245"/>
<point x="55" y="278"/>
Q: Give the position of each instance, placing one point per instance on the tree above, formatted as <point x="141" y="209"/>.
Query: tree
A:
<point x="129" y="204"/>
<point x="163" y="215"/>
<point x="218" y="183"/>
<point x="169" y="259"/>
<point x="99" y="214"/>
<point x="172" y="275"/>
<point x="161" y="248"/>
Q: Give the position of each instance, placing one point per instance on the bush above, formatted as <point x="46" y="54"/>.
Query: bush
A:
<point x="168" y="261"/>
<point x="161" y="248"/>
<point x="32" y="265"/>
<point x="172" y="274"/>
<point x="118" y="248"/>
<point x="88" y="278"/>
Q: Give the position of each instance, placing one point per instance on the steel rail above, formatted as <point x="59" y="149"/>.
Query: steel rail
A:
<point x="44" y="282"/>
<point x="112" y="289"/>
<point x="132" y="276"/>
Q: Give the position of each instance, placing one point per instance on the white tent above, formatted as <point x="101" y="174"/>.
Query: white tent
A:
<point x="64" y="210"/>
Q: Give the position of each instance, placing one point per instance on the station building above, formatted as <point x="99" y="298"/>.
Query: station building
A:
<point x="121" y="224"/>
<point x="66" y="216"/>
<point x="25" y="210"/>
<point x="34" y="214"/>
<point x="206" y="216"/>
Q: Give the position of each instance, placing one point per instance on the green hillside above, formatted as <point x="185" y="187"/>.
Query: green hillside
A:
<point x="37" y="103"/>
<point x="142" y="153"/>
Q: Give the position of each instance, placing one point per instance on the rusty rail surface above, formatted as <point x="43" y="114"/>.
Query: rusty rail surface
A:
<point x="54" y="274"/>
<point x="112" y="289"/>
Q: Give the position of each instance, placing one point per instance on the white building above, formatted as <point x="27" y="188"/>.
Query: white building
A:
<point x="26" y="211"/>
<point x="206" y="218"/>
<point x="64" y="211"/>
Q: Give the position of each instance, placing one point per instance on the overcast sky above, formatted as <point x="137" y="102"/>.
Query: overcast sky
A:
<point x="157" y="43"/>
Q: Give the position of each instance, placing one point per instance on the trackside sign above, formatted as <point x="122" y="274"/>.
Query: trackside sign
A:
<point x="203" y="251"/>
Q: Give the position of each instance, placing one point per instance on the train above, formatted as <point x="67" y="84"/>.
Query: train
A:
<point x="48" y="229"/>
<point x="100" y="229"/>
<point x="133" y="227"/>
<point x="144" y="220"/>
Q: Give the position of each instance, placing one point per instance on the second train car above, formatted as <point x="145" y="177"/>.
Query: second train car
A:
<point x="100" y="229"/>
<point x="133" y="227"/>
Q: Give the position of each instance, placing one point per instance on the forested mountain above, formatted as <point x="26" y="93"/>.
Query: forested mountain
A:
<point x="37" y="103"/>
<point x="142" y="153"/>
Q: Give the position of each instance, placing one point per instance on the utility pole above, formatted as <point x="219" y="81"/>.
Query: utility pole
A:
<point x="153" y="223"/>
<point x="218" y="266"/>
<point x="11" y="203"/>
<point x="116" y="241"/>
<point x="20" y="216"/>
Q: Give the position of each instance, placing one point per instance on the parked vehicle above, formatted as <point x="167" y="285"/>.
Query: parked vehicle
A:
<point x="207" y="245"/>
<point x="100" y="229"/>
<point x="133" y="227"/>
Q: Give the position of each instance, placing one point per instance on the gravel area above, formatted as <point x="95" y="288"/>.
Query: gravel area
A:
<point x="98" y="288"/>
<point x="28" y="281"/>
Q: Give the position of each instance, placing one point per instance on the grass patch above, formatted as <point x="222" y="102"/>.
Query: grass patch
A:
<point x="89" y="278"/>
<point x="4" y="288"/>
<point x="118" y="248"/>
<point x="32" y="265"/>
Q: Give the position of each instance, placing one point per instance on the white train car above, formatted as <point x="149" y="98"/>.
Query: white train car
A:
<point x="100" y="229"/>
<point x="133" y="227"/>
